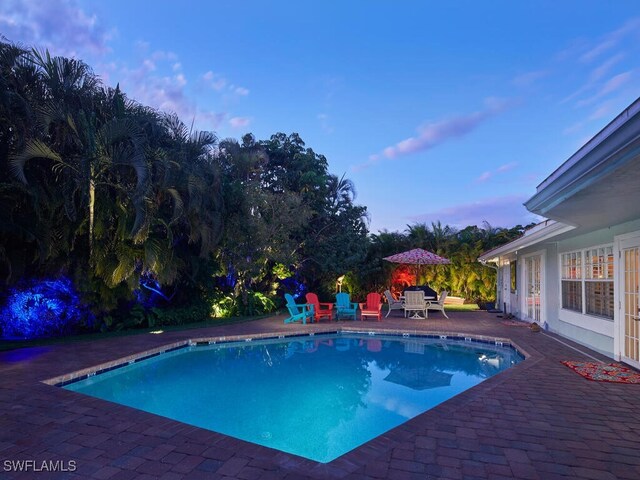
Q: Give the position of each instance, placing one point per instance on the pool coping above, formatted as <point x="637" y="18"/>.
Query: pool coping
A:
<point x="78" y="375"/>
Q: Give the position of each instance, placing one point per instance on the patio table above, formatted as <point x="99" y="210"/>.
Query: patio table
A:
<point x="426" y="313"/>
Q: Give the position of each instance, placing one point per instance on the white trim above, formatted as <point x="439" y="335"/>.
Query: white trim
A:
<point x="541" y="234"/>
<point x="601" y="325"/>
<point x="543" y="285"/>
<point x="583" y="281"/>
<point x="618" y="287"/>
<point x="590" y="247"/>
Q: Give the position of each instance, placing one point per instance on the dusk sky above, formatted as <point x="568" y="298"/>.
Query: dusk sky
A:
<point x="452" y="111"/>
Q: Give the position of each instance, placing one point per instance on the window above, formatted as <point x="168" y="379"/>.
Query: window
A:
<point x="514" y="275"/>
<point x="588" y="273"/>
<point x="572" y="281"/>
<point x="599" y="281"/>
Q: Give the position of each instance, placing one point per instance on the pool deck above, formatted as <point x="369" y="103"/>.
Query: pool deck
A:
<point x="537" y="420"/>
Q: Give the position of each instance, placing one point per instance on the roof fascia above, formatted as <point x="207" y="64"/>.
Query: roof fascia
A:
<point x="551" y="230"/>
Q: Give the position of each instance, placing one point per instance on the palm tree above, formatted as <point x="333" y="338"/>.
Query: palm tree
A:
<point x="85" y="144"/>
<point x="341" y="192"/>
<point x="420" y="235"/>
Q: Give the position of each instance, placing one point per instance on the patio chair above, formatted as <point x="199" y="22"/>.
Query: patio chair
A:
<point x="345" y="307"/>
<point x="414" y="302"/>
<point x="320" y="309"/>
<point x="393" y="303"/>
<point x="298" y="311"/>
<point x="372" y="307"/>
<point x="439" y="305"/>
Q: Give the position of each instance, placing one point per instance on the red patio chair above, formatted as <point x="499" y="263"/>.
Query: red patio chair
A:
<point x="320" y="309"/>
<point x="372" y="307"/>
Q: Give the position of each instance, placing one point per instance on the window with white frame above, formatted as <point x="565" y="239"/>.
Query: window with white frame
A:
<point x="598" y="269"/>
<point x="572" y="281"/>
<point x="589" y="274"/>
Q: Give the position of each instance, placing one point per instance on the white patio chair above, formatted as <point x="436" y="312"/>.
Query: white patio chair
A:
<point x="439" y="305"/>
<point x="393" y="303"/>
<point x="414" y="302"/>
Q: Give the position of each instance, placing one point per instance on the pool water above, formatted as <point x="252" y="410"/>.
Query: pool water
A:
<point x="318" y="397"/>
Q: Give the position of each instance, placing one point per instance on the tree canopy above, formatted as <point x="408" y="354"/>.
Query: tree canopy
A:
<point x="144" y="214"/>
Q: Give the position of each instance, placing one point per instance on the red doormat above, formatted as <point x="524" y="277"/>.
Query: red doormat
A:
<point x="604" y="372"/>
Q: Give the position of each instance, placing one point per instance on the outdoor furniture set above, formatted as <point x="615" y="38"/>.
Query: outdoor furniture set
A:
<point x="416" y="302"/>
<point x="314" y="310"/>
<point x="411" y="302"/>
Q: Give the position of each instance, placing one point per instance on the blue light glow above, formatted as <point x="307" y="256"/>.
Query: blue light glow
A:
<point x="293" y="285"/>
<point x="42" y="308"/>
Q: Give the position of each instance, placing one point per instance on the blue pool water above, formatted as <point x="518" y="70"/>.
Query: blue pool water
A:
<point x="317" y="397"/>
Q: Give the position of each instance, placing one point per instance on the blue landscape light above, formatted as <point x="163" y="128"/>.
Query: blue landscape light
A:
<point x="295" y="286"/>
<point x="41" y="308"/>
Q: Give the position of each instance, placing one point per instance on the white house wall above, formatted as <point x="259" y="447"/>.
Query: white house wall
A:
<point x="592" y="331"/>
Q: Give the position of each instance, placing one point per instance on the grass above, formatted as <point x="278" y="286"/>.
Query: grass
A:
<point x="6" y="345"/>
<point x="467" y="307"/>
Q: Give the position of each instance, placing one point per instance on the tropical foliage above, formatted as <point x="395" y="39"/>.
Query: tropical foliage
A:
<point x="137" y="209"/>
<point x="153" y="222"/>
<point x="464" y="277"/>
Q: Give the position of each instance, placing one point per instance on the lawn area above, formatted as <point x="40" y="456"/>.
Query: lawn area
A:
<point x="467" y="307"/>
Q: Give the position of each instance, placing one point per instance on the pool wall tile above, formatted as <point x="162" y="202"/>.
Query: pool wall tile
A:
<point x="79" y="375"/>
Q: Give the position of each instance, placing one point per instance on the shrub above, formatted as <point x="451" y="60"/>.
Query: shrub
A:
<point x="42" y="308"/>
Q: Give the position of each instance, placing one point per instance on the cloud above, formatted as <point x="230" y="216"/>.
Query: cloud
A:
<point x="616" y="82"/>
<point x="158" y="83"/>
<point x="484" y="177"/>
<point x="219" y="83"/>
<point x="214" y="81"/>
<point x="210" y="120"/>
<point x="433" y="134"/>
<point x="610" y="86"/>
<point x="501" y="169"/>
<point x="165" y="93"/>
<point x="239" y="122"/>
<point x="584" y="52"/>
<point x="611" y="40"/>
<point x="506" y="211"/>
<point x="507" y="167"/>
<point x="60" y="26"/>
<point x="241" y="91"/>
<point x="597" y="50"/>
<point x="529" y="78"/>
<point x="602" y="111"/>
<point x="602" y="70"/>
<point x="66" y="28"/>
<point x="324" y="123"/>
<point x="595" y="76"/>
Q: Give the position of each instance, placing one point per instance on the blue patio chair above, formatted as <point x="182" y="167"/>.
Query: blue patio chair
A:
<point x="345" y="307"/>
<point x="298" y="311"/>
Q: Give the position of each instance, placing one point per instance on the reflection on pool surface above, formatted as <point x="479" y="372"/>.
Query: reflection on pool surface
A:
<point x="317" y="397"/>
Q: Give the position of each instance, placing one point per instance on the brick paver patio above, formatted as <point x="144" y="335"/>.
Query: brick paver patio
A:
<point x="537" y="420"/>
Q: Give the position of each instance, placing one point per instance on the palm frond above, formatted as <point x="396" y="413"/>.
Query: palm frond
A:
<point x="178" y="204"/>
<point x="33" y="149"/>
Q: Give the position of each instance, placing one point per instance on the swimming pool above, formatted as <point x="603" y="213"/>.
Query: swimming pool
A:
<point x="315" y="396"/>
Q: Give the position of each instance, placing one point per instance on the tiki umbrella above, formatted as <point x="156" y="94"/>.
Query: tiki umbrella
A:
<point x="417" y="257"/>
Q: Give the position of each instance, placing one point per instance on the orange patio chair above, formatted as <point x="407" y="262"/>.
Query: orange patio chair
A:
<point x="320" y="309"/>
<point x="372" y="307"/>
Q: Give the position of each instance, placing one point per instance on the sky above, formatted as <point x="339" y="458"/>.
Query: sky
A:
<point x="438" y="111"/>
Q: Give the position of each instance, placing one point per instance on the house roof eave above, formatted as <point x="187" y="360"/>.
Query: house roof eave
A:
<point x="614" y="145"/>
<point x="540" y="233"/>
